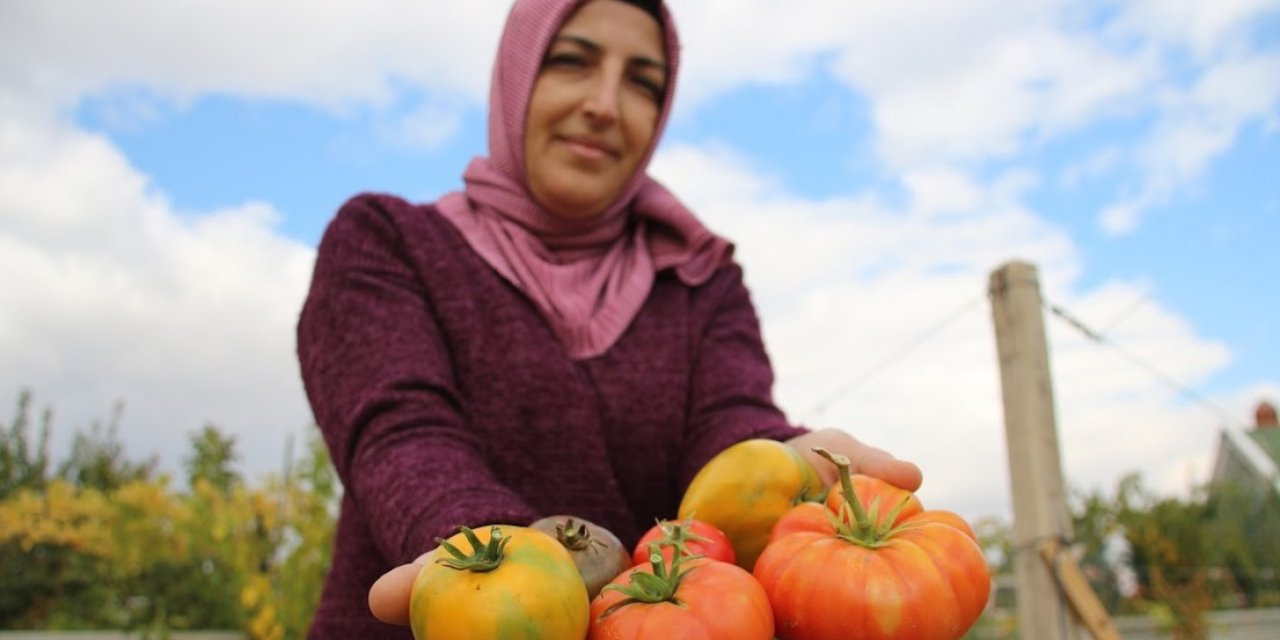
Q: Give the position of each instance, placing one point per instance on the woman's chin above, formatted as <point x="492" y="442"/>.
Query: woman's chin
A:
<point x="574" y="208"/>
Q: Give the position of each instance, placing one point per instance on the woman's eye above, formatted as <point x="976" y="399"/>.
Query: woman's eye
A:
<point x="565" y="60"/>
<point x="649" y="86"/>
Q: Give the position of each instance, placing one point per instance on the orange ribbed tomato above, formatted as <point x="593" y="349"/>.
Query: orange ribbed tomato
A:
<point x="900" y="574"/>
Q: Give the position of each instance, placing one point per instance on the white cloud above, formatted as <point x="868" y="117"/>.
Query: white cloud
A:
<point x="999" y="78"/>
<point x="730" y="43"/>
<point x="427" y="127"/>
<point x="1195" y="126"/>
<point x="995" y="77"/>
<point x="1204" y="28"/>
<point x="1119" y="218"/>
<point x="111" y="295"/>
<point x="330" y="53"/>
<point x="1096" y="165"/>
<point x="942" y="191"/>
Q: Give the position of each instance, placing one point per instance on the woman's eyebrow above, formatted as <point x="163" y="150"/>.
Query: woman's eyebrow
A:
<point x="593" y="47"/>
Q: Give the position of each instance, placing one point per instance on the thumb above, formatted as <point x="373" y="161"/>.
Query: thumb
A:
<point x="389" y="595"/>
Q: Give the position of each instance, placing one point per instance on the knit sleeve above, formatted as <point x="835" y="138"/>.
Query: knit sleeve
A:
<point x="732" y="378"/>
<point x="378" y="374"/>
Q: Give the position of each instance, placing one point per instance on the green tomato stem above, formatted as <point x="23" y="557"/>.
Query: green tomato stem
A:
<point x="482" y="557"/>
<point x="846" y="488"/>
<point x="853" y="523"/>
<point x="678" y="534"/>
<point x="652" y="588"/>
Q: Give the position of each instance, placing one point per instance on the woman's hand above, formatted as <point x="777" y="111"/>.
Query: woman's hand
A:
<point x="389" y="595"/>
<point x="865" y="459"/>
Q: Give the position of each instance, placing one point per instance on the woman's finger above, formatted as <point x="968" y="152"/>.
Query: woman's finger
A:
<point x="389" y="595"/>
<point x="881" y="464"/>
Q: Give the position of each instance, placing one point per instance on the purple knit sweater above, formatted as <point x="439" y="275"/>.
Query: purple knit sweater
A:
<point x="445" y="398"/>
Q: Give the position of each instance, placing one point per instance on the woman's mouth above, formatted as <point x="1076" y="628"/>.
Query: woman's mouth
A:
<point x="589" y="148"/>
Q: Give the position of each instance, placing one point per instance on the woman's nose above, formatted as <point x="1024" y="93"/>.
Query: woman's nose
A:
<point x="601" y="101"/>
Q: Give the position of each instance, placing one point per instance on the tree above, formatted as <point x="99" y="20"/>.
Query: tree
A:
<point x="212" y="458"/>
<point x="281" y="600"/>
<point x="1095" y="530"/>
<point x="310" y="514"/>
<point x="1171" y="555"/>
<point x="52" y="545"/>
<point x="98" y="459"/>
<point x="996" y="539"/>
<point x="1244" y="527"/>
<point x="107" y="543"/>
<point x="21" y="464"/>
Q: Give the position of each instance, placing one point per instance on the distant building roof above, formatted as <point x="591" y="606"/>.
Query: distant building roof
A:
<point x="1251" y="459"/>
<point x="1269" y="440"/>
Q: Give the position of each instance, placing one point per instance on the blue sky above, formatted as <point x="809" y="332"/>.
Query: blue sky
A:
<point x="163" y="194"/>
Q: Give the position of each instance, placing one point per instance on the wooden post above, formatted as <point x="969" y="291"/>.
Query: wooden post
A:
<point x="1035" y="468"/>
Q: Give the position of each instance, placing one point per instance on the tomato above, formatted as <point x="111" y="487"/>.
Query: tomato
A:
<point x="842" y="574"/>
<point x="514" y="582"/>
<point x="682" y="597"/>
<point x="744" y="489"/>
<point x="690" y="537"/>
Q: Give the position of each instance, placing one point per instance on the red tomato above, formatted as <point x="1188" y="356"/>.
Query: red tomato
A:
<point x="843" y="574"/>
<point x="682" y="598"/>
<point x="691" y="537"/>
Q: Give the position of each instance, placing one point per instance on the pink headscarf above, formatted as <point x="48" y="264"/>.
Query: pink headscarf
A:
<point x="588" y="278"/>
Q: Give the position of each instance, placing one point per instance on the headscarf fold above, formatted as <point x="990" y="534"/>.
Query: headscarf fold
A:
<point x="588" y="278"/>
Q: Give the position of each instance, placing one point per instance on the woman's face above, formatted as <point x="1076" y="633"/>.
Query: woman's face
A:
<point x="594" y="108"/>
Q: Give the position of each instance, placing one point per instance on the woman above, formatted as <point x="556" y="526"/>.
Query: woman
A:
<point x="561" y="337"/>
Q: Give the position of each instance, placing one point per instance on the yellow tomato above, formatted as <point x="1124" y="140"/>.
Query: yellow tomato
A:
<point x="746" y="488"/>
<point x="504" y="582"/>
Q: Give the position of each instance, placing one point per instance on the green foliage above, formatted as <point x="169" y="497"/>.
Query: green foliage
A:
<point x="996" y="539"/>
<point x="1244" y="529"/>
<point x="312" y="508"/>
<point x="211" y="459"/>
<point x="1172" y="555"/>
<point x="107" y="543"/>
<point x="97" y="458"/>
<point x="1095" y="532"/>
<point x="23" y="466"/>
<point x="1218" y="547"/>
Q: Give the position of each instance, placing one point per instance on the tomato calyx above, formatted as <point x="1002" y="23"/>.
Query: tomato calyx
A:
<point x="575" y="536"/>
<point x="483" y="557"/>
<point x="652" y="588"/>
<point x="678" y="534"/>
<point x="853" y="523"/>
<point x="805" y="495"/>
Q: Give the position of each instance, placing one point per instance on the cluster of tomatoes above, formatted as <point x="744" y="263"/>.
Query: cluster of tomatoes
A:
<point x="760" y="550"/>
